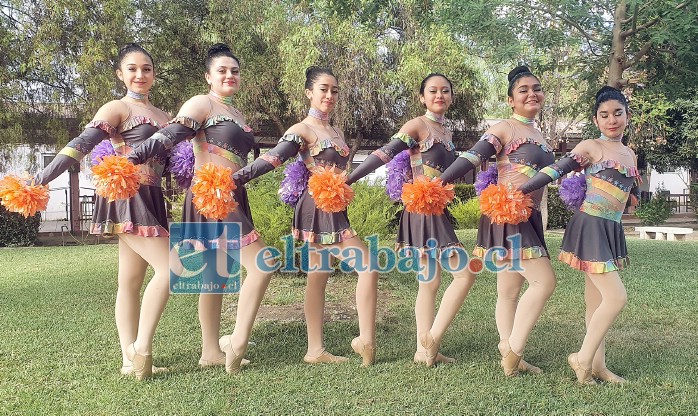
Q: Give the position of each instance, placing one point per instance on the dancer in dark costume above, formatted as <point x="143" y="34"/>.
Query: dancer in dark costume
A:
<point x="139" y="222"/>
<point x="431" y="151"/>
<point x="320" y="144"/>
<point x="594" y="240"/>
<point x="520" y="150"/>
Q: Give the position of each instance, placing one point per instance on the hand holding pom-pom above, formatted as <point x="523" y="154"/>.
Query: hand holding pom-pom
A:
<point x="427" y="196"/>
<point x="504" y="205"/>
<point x="116" y="178"/>
<point x="329" y="189"/>
<point x="212" y="191"/>
<point x="182" y="163"/>
<point x="26" y="198"/>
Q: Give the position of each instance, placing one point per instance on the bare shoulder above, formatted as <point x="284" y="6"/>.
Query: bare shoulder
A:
<point x="302" y="130"/>
<point x="114" y="112"/>
<point x="415" y="128"/>
<point x="197" y="108"/>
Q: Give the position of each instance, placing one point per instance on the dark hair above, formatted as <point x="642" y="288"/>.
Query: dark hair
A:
<point x="607" y="93"/>
<point x="432" y="75"/>
<point x="128" y="49"/>
<point x="516" y="74"/>
<point x="219" y="49"/>
<point x="312" y="73"/>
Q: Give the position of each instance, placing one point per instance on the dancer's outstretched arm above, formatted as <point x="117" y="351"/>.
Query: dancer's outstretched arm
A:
<point x="488" y="146"/>
<point x="288" y="146"/>
<point x="399" y="142"/>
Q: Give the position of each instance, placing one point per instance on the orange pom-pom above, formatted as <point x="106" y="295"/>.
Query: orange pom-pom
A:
<point x="212" y="191"/>
<point x="504" y="205"/>
<point x="116" y="178"/>
<point x="18" y="196"/>
<point x="427" y="196"/>
<point x="330" y="190"/>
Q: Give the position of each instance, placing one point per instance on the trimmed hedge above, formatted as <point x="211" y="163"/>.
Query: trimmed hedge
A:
<point x="558" y="213"/>
<point x="464" y="192"/>
<point x="17" y="231"/>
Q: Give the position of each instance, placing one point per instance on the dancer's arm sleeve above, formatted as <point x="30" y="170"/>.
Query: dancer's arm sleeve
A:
<point x="75" y="150"/>
<point x="161" y="142"/>
<point x="553" y="172"/>
<point x="488" y="146"/>
<point x="398" y="143"/>
<point x="288" y="146"/>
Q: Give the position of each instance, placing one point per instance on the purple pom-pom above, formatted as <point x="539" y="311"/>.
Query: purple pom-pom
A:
<point x="486" y="178"/>
<point x="399" y="172"/>
<point x="573" y="191"/>
<point x="104" y="148"/>
<point x="182" y="163"/>
<point x="294" y="183"/>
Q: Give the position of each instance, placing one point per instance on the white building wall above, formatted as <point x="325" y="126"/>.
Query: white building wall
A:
<point x="675" y="182"/>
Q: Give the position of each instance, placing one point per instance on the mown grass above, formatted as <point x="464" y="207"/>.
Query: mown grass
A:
<point x="59" y="351"/>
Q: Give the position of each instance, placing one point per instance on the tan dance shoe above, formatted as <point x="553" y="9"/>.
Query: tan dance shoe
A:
<point x="325" y="358"/>
<point x="523" y="365"/>
<point x="141" y="364"/>
<point x="367" y="352"/>
<point x="233" y="361"/>
<point x="127" y="370"/>
<point x="510" y="361"/>
<point x="421" y="358"/>
<point x="608" y="376"/>
<point x="431" y="348"/>
<point x="220" y="362"/>
<point x="583" y="374"/>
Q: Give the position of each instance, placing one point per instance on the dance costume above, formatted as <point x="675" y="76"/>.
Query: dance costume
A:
<point x="594" y="241"/>
<point x="518" y="161"/>
<point x="430" y="234"/>
<point x="144" y="214"/>
<point x="221" y="135"/>
<point x="310" y="223"/>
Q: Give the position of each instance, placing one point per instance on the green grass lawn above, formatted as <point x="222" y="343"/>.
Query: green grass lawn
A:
<point x="59" y="351"/>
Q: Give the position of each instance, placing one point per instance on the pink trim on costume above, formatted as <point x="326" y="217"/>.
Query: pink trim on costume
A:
<point x="625" y="170"/>
<point x="323" y="238"/>
<point x="127" y="227"/>
<point x="595" y="267"/>
<point x="516" y="143"/>
<point x="102" y="125"/>
<point x="137" y="121"/>
<point x="527" y="253"/>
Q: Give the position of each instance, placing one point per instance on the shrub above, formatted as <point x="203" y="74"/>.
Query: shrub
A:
<point x="17" y="231"/>
<point x="272" y="218"/>
<point x="464" y="192"/>
<point x="655" y="211"/>
<point x="372" y="211"/>
<point x="558" y="213"/>
<point x="466" y="214"/>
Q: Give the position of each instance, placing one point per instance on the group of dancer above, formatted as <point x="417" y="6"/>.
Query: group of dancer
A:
<point x="593" y="243"/>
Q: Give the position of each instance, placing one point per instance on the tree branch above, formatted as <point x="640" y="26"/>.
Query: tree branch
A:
<point x="636" y="29"/>
<point x="569" y="21"/>
<point x="636" y="58"/>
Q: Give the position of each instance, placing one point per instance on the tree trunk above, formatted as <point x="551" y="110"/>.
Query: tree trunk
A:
<point x="617" y="58"/>
<point x="356" y="144"/>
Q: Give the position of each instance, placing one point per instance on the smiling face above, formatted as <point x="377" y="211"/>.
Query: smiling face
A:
<point x="611" y="118"/>
<point x="224" y="76"/>
<point x="137" y="73"/>
<point x="437" y="95"/>
<point x="527" y="97"/>
<point x="323" y="96"/>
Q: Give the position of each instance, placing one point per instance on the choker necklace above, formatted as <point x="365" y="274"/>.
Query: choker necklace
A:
<point x="441" y="119"/>
<point x="523" y="119"/>
<point x="136" y="96"/>
<point x="225" y="100"/>
<point x="315" y="113"/>
<point x="609" y="139"/>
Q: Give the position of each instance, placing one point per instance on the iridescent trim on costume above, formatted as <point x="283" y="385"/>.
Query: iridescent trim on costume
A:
<point x="235" y="244"/>
<point x="595" y="183"/>
<point x="431" y="252"/>
<point x="524" y="169"/>
<point x="227" y="100"/>
<point x="71" y="153"/>
<point x="515" y="144"/>
<point x="523" y="119"/>
<point x="429" y="143"/>
<point x="582" y="160"/>
<point x="552" y="172"/>
<point x="470" y="156"/>
<point x="323" y="238"/>
<point x="321" y="145"/>
<point x="493" y="140"/>
<point x="186" y="122"/>
<point x="293" y="138"/>
<point x="219" y="118"/>
<point x="382" y="155"/>
<point x="596" y="267"/>
<point x="272" y="159"/>
<point x="441" y="119"/>
<point x="526" y="253"/>
<point x="127" y="227"/>
<point x="596" y="205"/>
<point x="629" y="171"/>
<point x="201" y="146"/>
<point x="405" y="138"/>
<point x="137" y="121"/>
<point x="102" y="125"/>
